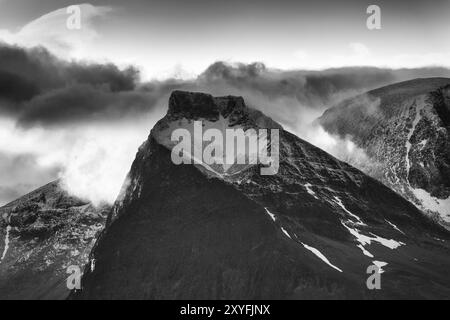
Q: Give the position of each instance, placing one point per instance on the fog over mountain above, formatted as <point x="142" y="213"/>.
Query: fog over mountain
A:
<point x="75" y="119"/>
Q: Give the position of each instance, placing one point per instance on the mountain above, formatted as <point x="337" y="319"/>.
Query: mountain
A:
<point x="41" y="235"/>
<point x="311" y="230"/>
<point x="405" y="129"/>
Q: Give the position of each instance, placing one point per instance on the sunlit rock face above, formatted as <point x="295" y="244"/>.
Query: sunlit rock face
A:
<point x="41" y="235"/>
<point x="309" y="231"/>
<point x="405" y="130"/>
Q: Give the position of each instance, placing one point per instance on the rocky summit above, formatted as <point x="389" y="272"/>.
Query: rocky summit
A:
<point x="42" y="234"/>
<point x="405" y="130"/>
<point x="313" y="230"/>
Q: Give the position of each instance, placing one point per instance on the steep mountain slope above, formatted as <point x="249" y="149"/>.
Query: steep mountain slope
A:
<point x="41" y="234"/>
<point x="310" y="231"/>
<point x="405" y="128"/>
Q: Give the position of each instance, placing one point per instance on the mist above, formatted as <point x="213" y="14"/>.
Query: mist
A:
<point x="83" y="122"/>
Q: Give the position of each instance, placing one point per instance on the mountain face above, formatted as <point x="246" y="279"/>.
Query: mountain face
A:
<point x="405" y="129"/>
<point x="309" y="231"/>
<point x="41" y="235"/>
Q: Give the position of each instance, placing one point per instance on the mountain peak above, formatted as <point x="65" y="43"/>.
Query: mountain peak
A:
<point x="41" y="234"/>
<point x="192" y="105"/>
<point x="197" y="105"/>
<point x="194" y="113"/>
<point x="316" y="224"/>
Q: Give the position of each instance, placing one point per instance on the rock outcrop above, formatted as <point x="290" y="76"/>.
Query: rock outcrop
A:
<point x="405" y="129"/>
<point x="41" y="235"/>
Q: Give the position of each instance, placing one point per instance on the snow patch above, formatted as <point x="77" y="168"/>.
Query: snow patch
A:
<point x="442" y="206"/>
<point x="338" y="201"/>
<point x="5" y="250"/>
<point x="271" y="215"/>
<point x="92" y="265"/>
<point x="286" y="233"/>
<point x="364" y="240"/>
<point x="394" y="226"/>
<point x="365" y="252"/>
<point x="380" y="265"/>
<point x="423" y="143"/>
<point x="310" y="191"/>
<point x="411" y="132"/>
<point x="320" y="256"/>
<point x="163" y="135"/>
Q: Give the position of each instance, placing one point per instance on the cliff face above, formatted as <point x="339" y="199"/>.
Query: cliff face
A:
<point x="309" y="231"/>
<point x="406" y="129"/>
<point x="41" y="235"/>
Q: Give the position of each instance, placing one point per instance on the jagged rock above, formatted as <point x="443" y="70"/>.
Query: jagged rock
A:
<point x="41" y="234"/>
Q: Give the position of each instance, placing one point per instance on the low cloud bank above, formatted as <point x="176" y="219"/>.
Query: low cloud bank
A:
<point x="83" y="122"/>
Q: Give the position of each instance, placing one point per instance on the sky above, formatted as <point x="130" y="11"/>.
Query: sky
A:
<point x="76" y="103"/>
<point x="182" y="38"/>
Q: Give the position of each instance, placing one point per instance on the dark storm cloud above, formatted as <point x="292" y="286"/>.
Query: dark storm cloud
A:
<point x="37" y="88"/>
<point x="41" y="70"/>
<point x="297" y="97"/>
<point x="80" y="102"/>
<point x="311" y="88"/>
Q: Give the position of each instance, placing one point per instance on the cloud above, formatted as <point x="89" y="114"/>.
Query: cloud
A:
<point x="411" y="60"/>
<point x="20" y="174"/>
<point x="83" y="122"/>
<point x="342" y="148"/>
<point x="51" y="31"/>
<point x="36" y="88"/>
<point x="301" y="54"/>
<point x="96" y="164"/>
<point x="82" y="102"/>
<point x="91" y="160"/>
<point x="43" y="71"/>
<point x="80" y="122"/>
<point x="359" y="49"/>
<point x="297" y="97"/>
<point x="41" y="89"/>
<point x="359" y="54"/>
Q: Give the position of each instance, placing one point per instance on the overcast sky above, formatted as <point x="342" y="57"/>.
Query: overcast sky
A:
<point x="183" y="37"/>
<point x="79" y="107"/>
